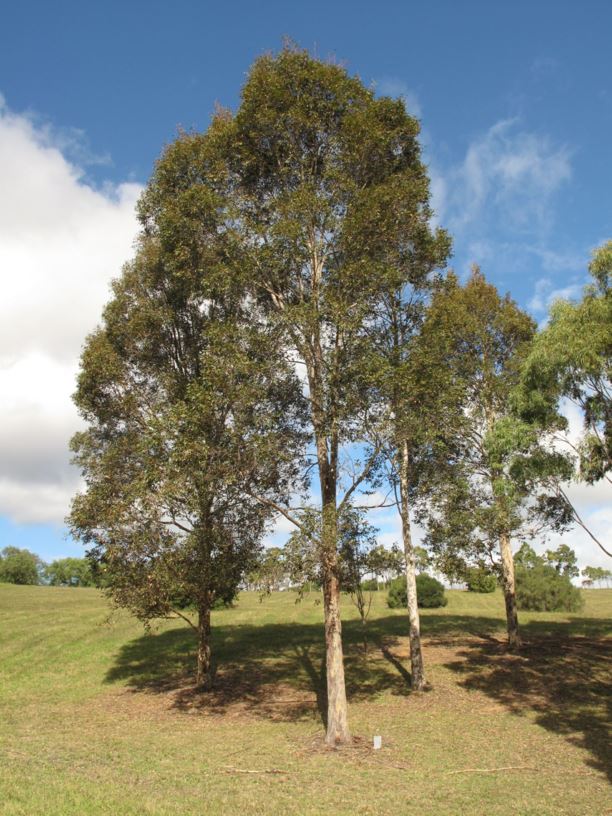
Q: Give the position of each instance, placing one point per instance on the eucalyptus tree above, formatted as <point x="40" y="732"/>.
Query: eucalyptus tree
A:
<point x="408" y="390"/>
<point x="489" y="473"/>
<point x="571" y="359"/>
<point x="334" y="206"/>
<point x="189" y="407"/>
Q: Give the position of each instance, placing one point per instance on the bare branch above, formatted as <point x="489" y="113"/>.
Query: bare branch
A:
<point x="581" y="522"/>
<point x="279" y="509"/>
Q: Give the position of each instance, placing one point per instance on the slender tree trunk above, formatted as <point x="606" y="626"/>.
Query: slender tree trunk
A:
<point x="508" y="586"/>
<point x="204" y="677"/>
<point x="326" y="442"/>
<point x="417" y="675"/>
<point x="337" y="711"/>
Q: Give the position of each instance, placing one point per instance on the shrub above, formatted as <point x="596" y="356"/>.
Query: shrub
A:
<point x="479" y="580"/>
<point x="542" y="589"/>
<point x="430" y="593"/>
<point x="371" y="585"/>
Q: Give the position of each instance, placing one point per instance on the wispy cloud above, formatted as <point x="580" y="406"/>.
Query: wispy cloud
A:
<point x="393" y="86"/>
<point x="508" y="177"/>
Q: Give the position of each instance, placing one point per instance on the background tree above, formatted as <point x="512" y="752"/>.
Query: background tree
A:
<point x="543" y="587"/>
<point x="20" y="566"/>
<point x="597" y="575"/>
<point x="357" y="542"/>
<point x="480" y="579"/>
<point x="71" y="572"/>
<point x="189" y="406"/>
<point x="333" y="191"/>
<point x="487" y="466"/>
<point x="385" y="563"/>
<point x="571" y="359"/>
<point x="564" y="560"/>
<point x="270" y="572"/>
<point x="400" y="380"/>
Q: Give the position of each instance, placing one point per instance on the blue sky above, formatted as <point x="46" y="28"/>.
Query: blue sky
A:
<point x="515" y="101"/>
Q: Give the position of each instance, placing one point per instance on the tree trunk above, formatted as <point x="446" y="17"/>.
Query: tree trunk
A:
<point x="337" y="713"/>
<point x="514" y="640"/>
<point x="204" y="666"/>
<point x="417" y="675"/>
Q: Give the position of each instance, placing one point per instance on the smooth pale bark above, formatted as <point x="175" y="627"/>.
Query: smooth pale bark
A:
<point x="417" y="674"/>
<point x="337" y="712"/>
<point x="204" y="666"/>
<point x="326" y="441"/>
<point x="509" y="589"/>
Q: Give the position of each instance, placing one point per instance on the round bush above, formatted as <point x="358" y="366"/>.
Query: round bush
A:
<point x="479" y="580"/>
<point x="543" y="589"/>
<point x="430" y="593"/>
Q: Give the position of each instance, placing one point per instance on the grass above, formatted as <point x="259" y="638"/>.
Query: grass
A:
<point x="98" y="718"/>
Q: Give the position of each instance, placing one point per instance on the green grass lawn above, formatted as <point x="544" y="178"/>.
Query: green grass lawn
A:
<point x="97" y="717"/>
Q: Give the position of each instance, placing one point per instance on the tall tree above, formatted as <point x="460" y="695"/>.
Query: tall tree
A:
<point x="333" y="195"/>
<point x="571" y="359"/>
<point x="489" y="473"/>
<point x="189" y="407"/>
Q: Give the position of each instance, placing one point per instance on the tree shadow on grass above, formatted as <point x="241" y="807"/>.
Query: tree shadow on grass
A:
<point x="277" y="671"/>
<point x="565" y="681"/>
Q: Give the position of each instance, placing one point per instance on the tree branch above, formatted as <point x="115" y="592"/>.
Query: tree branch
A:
<point x="581" y="522"/>
<point x="362" y="476"/>
<point x="279" y="509"/>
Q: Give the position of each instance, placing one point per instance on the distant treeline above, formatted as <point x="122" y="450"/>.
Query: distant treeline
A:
<point x="20" y="566"/>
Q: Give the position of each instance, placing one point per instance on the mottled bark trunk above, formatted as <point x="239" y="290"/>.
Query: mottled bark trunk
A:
<point x="508" y="586"/>
<point x="204" y="676"/>
<point x="337" y="711"/>
<point x="417" y="675"/>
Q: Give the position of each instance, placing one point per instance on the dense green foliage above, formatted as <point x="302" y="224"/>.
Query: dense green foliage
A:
<point x="430" y="593"/>
<point x="71" y="572"/>
<point x="20" y="566"/>
<point x="177" y="444"/>
<point x="571" y="359"/>
<point x="543" y="588"/>
<point x="479" y="579"/>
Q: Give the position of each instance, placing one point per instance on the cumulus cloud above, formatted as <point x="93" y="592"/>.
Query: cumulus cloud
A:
<point x="61" y="242"/>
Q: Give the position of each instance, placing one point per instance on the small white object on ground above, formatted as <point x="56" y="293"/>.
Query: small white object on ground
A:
<point x="377" y="743"/>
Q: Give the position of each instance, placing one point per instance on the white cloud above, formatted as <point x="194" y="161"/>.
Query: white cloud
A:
<point x="508" y="175"/>
<point x="61" y="242"/>
<point x="392" y="86"/>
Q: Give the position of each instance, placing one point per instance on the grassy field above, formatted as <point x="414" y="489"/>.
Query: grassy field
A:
<point x="98" y="718"/>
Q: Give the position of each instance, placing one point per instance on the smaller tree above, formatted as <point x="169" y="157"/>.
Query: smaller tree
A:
<point x="564" y="560"/>
<point x="385" y="564"/>
<point x="479" y="579"/>
<point x="71" y="572"/>
<point x="597" y="575"/>
<point x="20" y="566"/>
<point x="357" y="542"/>
<point x="270" y="572"/>
<point x="571" y="359"/>
<point x="430" y="592"/>
<point x="487" y="479"/>
<point x="541" y="587"/>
